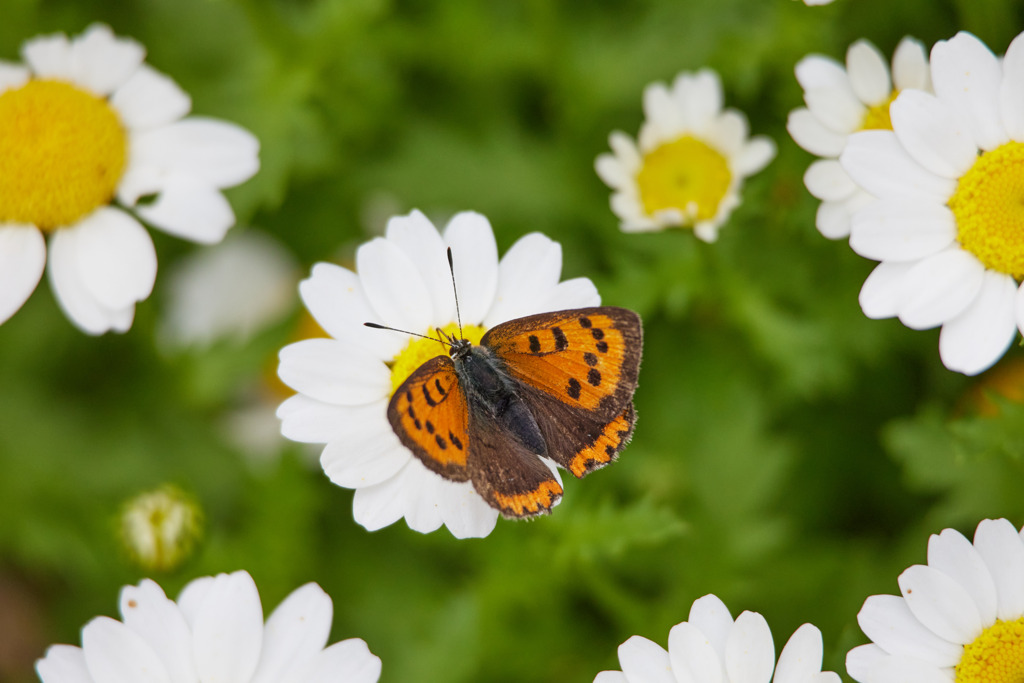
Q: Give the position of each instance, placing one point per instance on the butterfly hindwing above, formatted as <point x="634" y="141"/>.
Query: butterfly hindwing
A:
<point x="586" y="358"/>
<point x="430" y="415"/>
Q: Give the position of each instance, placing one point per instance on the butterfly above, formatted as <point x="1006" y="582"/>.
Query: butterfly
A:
<point x="553" y="385"/>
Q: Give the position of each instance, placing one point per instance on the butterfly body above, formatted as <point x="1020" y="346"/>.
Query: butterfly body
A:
<point x="553" y="387"/>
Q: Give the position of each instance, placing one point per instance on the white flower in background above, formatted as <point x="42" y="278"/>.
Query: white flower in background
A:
<point x="713" y="648"/>
<point x="160" y="528"/>
<point x="345" y="383"/>
<point x="688" y="166"/>
<point x="214" y="632"/>
<point x="949" y="179"/>
<point x="88" y="131"/>
<point x="812" y="3"/>
<point x="961" y="616"/>
<point x="841" y="102"/>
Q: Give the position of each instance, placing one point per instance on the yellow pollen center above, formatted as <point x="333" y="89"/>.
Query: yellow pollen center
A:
<point x="877" y="117"/>
<point x="996" y="656"/>
<point x="989" y="208"/>
<point x="419" y="351"/>
<point x="687" y="175"/>
<point x="62" y="153"/>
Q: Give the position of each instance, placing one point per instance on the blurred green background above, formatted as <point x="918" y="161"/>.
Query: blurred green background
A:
<point x="791" y="455"/>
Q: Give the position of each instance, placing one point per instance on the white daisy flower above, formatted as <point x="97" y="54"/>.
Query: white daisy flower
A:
<point x="841" y="102"/>
<point x="713" y="648"/>
<point x="87" y="132"/>
<point x="688" y="166"/>
<point x="345" y="383"/>
<point x="961" y="617"/>
<point x="214" y="632"/>
<point x="812" y="3"/>
<point x="949" y="179"/>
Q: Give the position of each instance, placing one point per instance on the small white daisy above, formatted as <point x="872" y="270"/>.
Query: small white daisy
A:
<point x="345" y="383"/>
<point x="214" y="632"/>
<point x="713" y="648"/>
<point x="88" y="130"/>
<point x="949" y="179"/>
<point x="841" y="102"/>
<point x="961" y="617"/>
<point x="688" y="166"/>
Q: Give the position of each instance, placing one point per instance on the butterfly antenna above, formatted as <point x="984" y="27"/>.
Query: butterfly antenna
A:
<point x="414" y="334"/>
<point x="458" y="315"/>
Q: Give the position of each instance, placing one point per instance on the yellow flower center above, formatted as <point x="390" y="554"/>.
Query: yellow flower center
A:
<point x="62" y="152"/>
<point x="989" y="209"/>
<point x="687" y="175"/>
<point x="419" y="351"/>
<point x="996" y="656"/>
<point x="877" y="117"/>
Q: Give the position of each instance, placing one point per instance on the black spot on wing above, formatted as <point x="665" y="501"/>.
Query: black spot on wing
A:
<point x="430" y="427"/>
<point x="585" y="322"/>
<point x="602" y="346"/>
<point x="430" y="399"/>
<point x="441" y="443"/>
<point x="594" y="377"/>
<point x="561" y="343"/>
<point x="534" y="344"/>
<point x="455" y="440"/>
<point x="598" y="333"/>
<point x="590" y="359"/>
<point x="574" y="388"/>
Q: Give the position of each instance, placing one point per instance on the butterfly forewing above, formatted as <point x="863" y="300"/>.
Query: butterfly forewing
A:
<point x="587" y="358"/>
<point x="430" y="415"/>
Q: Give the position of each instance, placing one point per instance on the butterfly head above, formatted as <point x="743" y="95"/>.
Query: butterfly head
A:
<point x="458" y="347"/>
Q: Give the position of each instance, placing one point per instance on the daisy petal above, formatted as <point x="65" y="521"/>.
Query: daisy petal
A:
<point x="423" y="490"/>
<point x="801" y="657"/>
<point x="475" y="256"/>
<point x="966" y="76"/>
<point x="749" y="650"/>
<point x="189" y="208"/>
<point x="101" y="62"/>
<point x="116" y="258"/>
<point x="817" y="71"/>
<point x="116" y="654"/>
<point x="73" y="296"/>
<point x="625" y="149"/>
<point x="869" y="74"/>
<point x="910" y="66"/>
<point x="364" y="459"/>
<point x="932" y="134"/>
<point x="833" y="220"/>
<point x="826" y="180"/>
<point x="1019" y="308"/>
<point x="464" y="512"/>
<point x="349" y="660"/>
<point x="193" y="597"/>
<point x="333" y="371"/>
<point x="49" y="56"/>
<point x="881" y="296"/>
<point x="22" y="261"/>
<point x="528" y="273"/>
<point x="837" y="109"/>
<point x="149" y="613"/>
<point x="12" y="76"/>
<point x="393" y="286"/>
<point x="217" y="153"/>
<point x="754" y="156"/>
<point x="1001" y="548"/>
<point x="878" y="163"/>
<point x="310" y="421"/>
<point x="416" y="236"/>
<point x="699" y="98"/>
<point x="643" y="660"/>
<point x="693" y="658"/>
<point x="294" y="635"/>
<point x="939" y="288"/>
<point x="578" y="292"/>
<point x="603" y="677"/>
<point x="902" y="669"/>
<point x="940" y="604"/>
<point x="809" y="133"/>
<point x="1011" y="91"/>
<point x="710" y="615"/>
<point x="862" y="660"/>
<point x="662" y="111"/>
<point x="149" y="99"/>
<point x="901" y="230"/>
<point x="383" y="504"/>
<point x="228" y="630"/>
<point x="979" y="336"/>
<point x="957" y="558"/>
<point x="889" y="623"/>
<point x="610" y="170"/>
<point x="63" y="664"/>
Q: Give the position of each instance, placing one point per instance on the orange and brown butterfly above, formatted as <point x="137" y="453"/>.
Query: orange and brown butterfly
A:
<point x="552" y="385"/>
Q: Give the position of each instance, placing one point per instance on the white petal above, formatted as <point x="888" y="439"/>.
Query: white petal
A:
<point x="940" y="287"/>
<point x="417" y="237"/>
<point x="693" y="658"/>
<point x="333" y="371"/>
<point x="812" y="135"/>
<point x="63" y="664"/>
<point x="364" y="458"/>
<point x="116" y="258"/>
<point x="475" y="255"/>
<point x="957" y="558"/>
<point x="901" y="230"/>
<point x="423" y="490"/>
<point x="101" y="61"/>
<point x="728" y="132"/>
<point x="294" y="635"/>
<point x="189" y="208"/>
<point x="1011" y="90"/>
<point x="882" y="293"/>
<point x="49" y="56"/>
<point x="578" y="292"/>
<point x="393" y="286"/>
<point x="932" y="134"/>
<point x="527" y="274"/>
<point x="801" y="657"/>
<point x="625" y="149"/>
<point x="193" y="597"/>
<point x="149" y="613"/>
<point x="12" y="76"/>
<point x="898" y="669"/>
<point x="383" y="504"/>
<point x="603" y="677"/>
<point x="861" y="661"/>
<point x="837" y="109"/>
<point x="967" y="76"/>
<point x="699" y="97"/>
<point x="1001" y="548"/>
<point x="643" y="661"/>
<point x="878" y="163"/>
<point x="754" y="156"/>
<point x="979" y="336"/>
<point x="826" y="180"/>
<point x="74" y="297"/>
<point x="662" y="111"/>
<point x="464" y="512"/>
<point x="350" y="661"/>
<point x="749" y="651"/>
<point x="335" y="298"/>
<point x="817" y="71"/>
<point x="869" y="74"/>
<point x="1019" y="308"/>
<point x="310" y="421"/>
<point x="116" y="654"/>
<point x="890" y="624"/>
<point x="940" y="604"/>
<point x="910" y="66"/>
<point x="150" y="99"/>
<point x="710" y="615"/>
<point x="228" y="630"/>
<point x="22" y="261"/>
<point x="612" y="172"/>
<point x="833" y="219"/>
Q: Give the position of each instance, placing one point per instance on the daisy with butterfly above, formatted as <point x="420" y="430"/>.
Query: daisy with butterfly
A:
<point x="531" y="403"/>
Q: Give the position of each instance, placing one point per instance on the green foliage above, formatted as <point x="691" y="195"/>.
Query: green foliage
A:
<point x="791" y="456"/>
